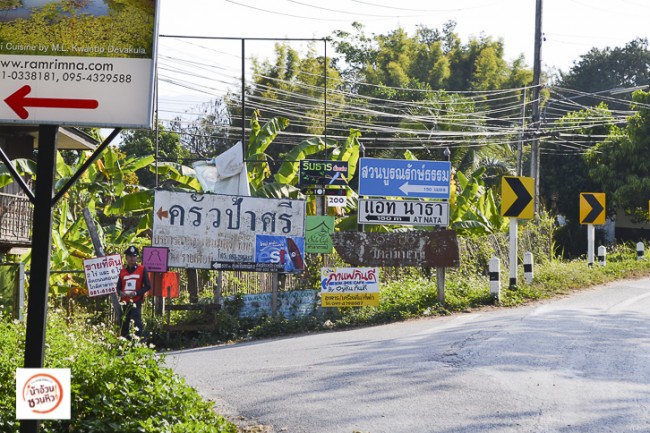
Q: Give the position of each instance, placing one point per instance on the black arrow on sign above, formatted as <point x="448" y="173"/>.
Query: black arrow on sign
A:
<point x="523" y="197"/>
<point x="596" y="208"/>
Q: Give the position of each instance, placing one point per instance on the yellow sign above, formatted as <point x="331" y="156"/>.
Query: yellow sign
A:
<point x="369" y="299"/>
<point x="592" y="208"/>
<point x="517" y="199"/>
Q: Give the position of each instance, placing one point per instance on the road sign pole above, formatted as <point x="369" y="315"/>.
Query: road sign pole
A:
<point x="41" y="243"/>
<point x="513" y="252"/>
<point x="591" y="240"/>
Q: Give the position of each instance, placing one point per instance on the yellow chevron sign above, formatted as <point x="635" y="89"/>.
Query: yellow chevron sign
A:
<point x="592" y="208"/>
<point x="517" y="199"/>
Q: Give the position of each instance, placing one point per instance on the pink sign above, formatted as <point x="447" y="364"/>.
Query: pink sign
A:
<point x="155" y="259"/>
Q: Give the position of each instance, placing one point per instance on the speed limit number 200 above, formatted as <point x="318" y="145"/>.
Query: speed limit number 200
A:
<point x="335" y="201"/>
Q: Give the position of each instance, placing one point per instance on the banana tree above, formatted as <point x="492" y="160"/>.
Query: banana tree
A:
<point x="474" y="209"/>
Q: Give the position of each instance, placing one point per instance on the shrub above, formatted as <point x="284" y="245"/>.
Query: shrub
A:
<point x="117" y="385"/>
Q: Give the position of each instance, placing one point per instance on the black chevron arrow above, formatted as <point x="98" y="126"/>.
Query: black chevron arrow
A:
<point x="596" y="208"/>
<point x="523" y="197"/>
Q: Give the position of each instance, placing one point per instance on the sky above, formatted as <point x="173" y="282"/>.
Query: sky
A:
<point x="195" y="70"/>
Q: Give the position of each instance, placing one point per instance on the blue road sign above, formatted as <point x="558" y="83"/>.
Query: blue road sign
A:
<point x="404" y="178"/>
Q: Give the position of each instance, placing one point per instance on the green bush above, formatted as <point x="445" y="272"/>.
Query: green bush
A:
<point x="116" y="385"/>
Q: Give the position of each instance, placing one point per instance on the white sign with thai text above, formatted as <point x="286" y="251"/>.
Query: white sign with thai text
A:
<point x="404" y="212"/>
<point x="200" y="229"/>
<point x="102" y="274"/>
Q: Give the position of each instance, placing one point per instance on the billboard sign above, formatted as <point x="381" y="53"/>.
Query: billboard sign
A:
<point x="204" y="229"/>
<point x="404" y="178"/>
<point x="88" y="65"/>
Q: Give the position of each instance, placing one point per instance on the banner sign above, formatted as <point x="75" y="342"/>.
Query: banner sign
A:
<point x="323" y="173"/>
<point x="349" y="287"/>
<point x="405" y="212"/>
<point x="287" y="252"/>
<point x="102" y="274"/>
<point x="410" y="248"/>
<point x="404" y="178"/>
<point x="201" y="229"/>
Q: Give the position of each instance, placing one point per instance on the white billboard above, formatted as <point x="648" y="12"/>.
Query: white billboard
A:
<point x="91" y="65"/>
<point x="200" y="229"/>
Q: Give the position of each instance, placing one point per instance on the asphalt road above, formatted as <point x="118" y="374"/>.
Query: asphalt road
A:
<point x="576" y="364"/>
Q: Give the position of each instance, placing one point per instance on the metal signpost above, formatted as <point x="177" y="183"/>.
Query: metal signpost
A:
<point x="54" y="83"/>
<point x="517" y="202"/>
<point x="592" y="212"/>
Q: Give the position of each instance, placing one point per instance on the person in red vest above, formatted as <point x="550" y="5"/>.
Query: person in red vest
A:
<point x="132" y="284"/>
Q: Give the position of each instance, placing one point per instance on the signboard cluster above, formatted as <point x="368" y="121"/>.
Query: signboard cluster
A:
<point x="406" y="180"/>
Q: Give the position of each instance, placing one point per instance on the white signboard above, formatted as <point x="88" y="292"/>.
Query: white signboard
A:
<point x="43" y="393"/>
<point x="200" y="229"/>
<point x="349" y="287"/>
<point x="404" y="212"/>
<point x="100" y="75"/>
<point x="102" y="274"/>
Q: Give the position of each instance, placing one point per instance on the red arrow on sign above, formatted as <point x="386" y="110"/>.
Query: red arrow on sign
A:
<point x="18" y="100"/>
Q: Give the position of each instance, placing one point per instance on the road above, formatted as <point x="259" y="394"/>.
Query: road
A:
<point x="580" y="363"/>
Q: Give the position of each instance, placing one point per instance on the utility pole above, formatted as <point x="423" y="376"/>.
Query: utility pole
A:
<point x="537" y="72"/>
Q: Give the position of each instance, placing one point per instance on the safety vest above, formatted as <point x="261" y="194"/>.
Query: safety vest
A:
<point x="132" y="281"/>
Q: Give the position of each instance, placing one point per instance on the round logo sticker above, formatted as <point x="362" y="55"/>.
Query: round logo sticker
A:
<point x="43" y="393"/>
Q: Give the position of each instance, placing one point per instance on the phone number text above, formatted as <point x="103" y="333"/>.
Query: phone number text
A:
<point x="66" y="76"/>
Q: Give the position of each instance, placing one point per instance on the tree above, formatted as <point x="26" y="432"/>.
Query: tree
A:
<point x="621" y="163"/>
<point x="211" y="132"/>
<point x="140" y="142"/>
<point x="293" y="87"/>
<point x="609" y="68"/>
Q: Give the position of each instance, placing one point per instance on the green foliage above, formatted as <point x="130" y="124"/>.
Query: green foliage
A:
<point x="621" y="164"/>
<point x="160" y="141"/>
<point x="116" y="385"/>
<point x="610" y="68"/>
<point x="474" y="207"/>
<point x="130" y="23"/>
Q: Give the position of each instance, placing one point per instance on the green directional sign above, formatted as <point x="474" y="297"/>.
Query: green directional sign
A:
<point x="517" y="197"/>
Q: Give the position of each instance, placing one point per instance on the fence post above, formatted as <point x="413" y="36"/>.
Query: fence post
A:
<point x="602" y="253"/>
<point x="528" y="267"/>
<point x="495" y="278"/>
<point x="640" y="250"/>
<point x="440" y="279"/>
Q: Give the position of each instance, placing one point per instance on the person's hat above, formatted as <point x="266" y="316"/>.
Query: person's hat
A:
<point x="131" y="251"/>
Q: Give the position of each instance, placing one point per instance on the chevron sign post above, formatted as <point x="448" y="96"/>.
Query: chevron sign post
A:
<point x="517" y="201"/>
<point x="592" y="212"/>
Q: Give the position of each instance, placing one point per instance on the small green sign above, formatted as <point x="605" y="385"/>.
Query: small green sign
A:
<point x="318" y="230"/>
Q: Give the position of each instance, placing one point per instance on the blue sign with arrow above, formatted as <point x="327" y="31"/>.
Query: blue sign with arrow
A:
<point x="404" y="178"/>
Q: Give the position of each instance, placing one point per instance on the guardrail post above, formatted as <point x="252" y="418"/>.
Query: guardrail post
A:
<point x="640" y="250"/>
<point x="602" y="253"/>
<point x="495" y="278"/>
<point x="528" y="267"/>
